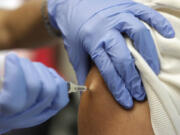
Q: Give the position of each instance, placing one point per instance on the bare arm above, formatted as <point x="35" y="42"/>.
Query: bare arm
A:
<point x="24" y="27"/>
<point x="100" y="114"/>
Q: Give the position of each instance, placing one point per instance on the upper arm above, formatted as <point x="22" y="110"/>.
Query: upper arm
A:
<point x="100" y="114"/>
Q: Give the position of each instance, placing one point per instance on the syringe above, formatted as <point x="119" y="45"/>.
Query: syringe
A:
<point x="75" y="88"/>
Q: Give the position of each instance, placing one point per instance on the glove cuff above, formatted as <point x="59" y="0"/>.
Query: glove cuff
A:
<point x="49" y="22"/>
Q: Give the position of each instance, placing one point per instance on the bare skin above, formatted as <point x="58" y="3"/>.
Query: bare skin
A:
<point x="100" y="114"/>
<point x="24" y="27"/>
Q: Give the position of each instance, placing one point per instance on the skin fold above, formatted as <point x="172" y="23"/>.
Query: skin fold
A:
<point x="100" y="114"/>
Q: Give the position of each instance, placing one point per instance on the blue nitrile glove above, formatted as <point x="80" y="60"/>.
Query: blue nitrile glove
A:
<point x="31" y="94"/>
<point x="94" y="28"/>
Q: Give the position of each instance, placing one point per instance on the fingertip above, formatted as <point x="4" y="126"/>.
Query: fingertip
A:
<point x="156" y="71"/>
<point x="126" y="101"/>
<point x="128" y="104"/>
<point x="166" y="29"/>
<point x="141" y="95"/>
<point x="170" y="33"/>
<point x="156" y="20"/>
<point x="155" y="67"/>
<point x="137" y="90"/>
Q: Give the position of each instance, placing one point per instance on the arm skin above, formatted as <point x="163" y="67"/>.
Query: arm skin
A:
<point x="23" y="27"/>
<point x="99" y="114"/>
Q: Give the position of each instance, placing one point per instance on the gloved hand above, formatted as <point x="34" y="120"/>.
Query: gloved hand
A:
<point x="31" y="94"/>
<point x="94" y="28"/>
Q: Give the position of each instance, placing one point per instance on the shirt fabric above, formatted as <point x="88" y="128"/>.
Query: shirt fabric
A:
<point x="163" y="91"/>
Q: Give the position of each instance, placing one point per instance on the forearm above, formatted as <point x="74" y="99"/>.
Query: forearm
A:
<point x="25" y="27"/>
<point x="100" y="114"/>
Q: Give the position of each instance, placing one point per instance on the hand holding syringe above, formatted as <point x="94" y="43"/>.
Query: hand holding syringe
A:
<point x="29" y="91"/>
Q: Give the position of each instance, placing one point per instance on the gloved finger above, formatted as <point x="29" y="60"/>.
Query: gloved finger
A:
<point x="40" y="84"/>
<point x="48" y="87"/>
<point x="142" y="39"/>
<point x="121" y="58"/>
<point x="155" y="19"/>
<point x="33" y="84"/>
<point x="80" y="62"/>
<point x="62" y="98"/>
<point x="49" y="105"/>
<point x="42" y="111"/>
<point x="114" y="82"/>
<point x="46" y="95"/>
<point x="10" y="101"/>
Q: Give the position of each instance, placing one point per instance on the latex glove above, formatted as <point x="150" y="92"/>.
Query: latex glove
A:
<point x="94" y="28"/>
<point x="31" y="94"/>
